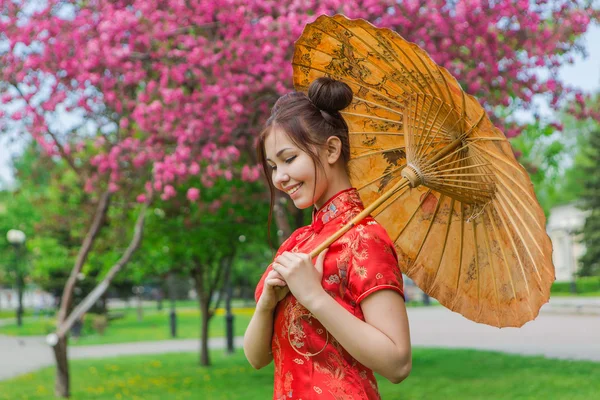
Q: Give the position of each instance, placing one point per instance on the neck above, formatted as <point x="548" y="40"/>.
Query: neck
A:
<point x="336" y="184"/>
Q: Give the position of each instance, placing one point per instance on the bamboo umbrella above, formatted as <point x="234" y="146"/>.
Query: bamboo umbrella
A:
<point x="435" y="172"/>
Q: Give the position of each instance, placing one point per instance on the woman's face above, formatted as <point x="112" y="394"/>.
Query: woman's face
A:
<point x="293" y="171"/>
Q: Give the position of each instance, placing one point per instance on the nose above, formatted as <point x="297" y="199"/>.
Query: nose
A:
<point x="280" y="177"/>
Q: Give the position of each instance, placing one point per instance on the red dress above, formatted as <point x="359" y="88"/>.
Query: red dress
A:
<point x="309" y="362"/>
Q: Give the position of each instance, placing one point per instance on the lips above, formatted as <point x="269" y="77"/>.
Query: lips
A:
<point x="293" y="189"/>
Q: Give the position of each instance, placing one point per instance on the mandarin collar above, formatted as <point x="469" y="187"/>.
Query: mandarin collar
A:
<point x="337" y="205"/>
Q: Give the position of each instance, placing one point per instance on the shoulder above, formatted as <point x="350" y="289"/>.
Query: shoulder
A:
<point x="374" y="234"/>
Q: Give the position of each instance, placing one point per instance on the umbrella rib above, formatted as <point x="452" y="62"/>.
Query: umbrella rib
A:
<point x="381" y="177"/>
<point x="377" y="133"/>
<point x="370" y="117"/>
<point x="380" y="106"/>
<point x="525" y="206"/>
<point x="410" y="60"/>
<point x="476" y="259"/>
<point x="423" y="138"/>
<point x="438" y="130"/>
<point x="486" y="139"/>
<point x="437" y="207"/>
<point x="466" y="167"/>
<point x="441" y="174"/>
<point x="445" y="244"/>
<point x="413" y="215"/>
<point x="468" y="188"/>
<point x="382" y="209"/>
<point x="377" y="152"/>
<point x="504" y="259"/>
<point x="431" y="167"/>
<point x="502" y="198"/>
<point x="457" y="150"/>
<point x="473" y="182"/>
<point x="493" y="269"/>
<point x="460" y="256"/>
<point x="517" y="255"/>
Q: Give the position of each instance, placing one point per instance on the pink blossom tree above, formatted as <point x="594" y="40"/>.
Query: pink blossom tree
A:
<point x="172" y="89"/>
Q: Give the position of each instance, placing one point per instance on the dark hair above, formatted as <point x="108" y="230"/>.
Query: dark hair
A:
<point x="309" y="120"/>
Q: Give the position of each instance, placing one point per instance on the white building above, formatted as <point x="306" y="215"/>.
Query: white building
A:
<point x="563" y="224"/>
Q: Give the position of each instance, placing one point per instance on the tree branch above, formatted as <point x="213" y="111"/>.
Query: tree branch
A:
<point x="99" y="290"/>
<point x="67" y="296"/>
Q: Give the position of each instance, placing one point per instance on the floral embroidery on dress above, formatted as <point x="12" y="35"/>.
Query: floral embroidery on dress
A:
<point x="333" y="279"/>
<point x="361" y="272"/>
<point x="331" y="211"/>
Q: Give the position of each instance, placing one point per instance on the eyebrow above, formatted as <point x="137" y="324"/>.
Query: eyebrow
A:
<point x="281" y="151"/>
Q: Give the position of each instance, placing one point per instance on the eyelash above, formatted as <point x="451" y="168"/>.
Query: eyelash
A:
<point x="288" y="161"/>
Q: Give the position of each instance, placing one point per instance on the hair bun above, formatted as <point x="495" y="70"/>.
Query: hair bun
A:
<point x="329" y="94"/>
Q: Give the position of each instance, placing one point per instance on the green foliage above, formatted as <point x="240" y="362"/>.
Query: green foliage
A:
<point x="590" y="261"/>
<point x="588" y="284"/>
<point x="555" y="160"/>
<point x="181" y="235"/>
<point x="541" y="152"/>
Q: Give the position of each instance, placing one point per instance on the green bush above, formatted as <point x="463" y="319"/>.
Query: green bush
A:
<point x="588" y="284"/>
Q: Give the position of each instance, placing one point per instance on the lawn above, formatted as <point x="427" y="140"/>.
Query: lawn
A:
<point x="154" y="326"/>
<point x="436" y="374"/>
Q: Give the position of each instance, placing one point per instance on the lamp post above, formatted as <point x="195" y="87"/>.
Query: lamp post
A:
<point x="17" y="238"/>
<point x="172" y="313"/>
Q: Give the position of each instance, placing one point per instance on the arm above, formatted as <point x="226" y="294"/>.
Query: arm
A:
<point x="257" y="339"/>
<point x="381" y="342"/>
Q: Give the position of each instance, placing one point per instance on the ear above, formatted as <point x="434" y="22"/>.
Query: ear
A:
<point x="334" y="149"/>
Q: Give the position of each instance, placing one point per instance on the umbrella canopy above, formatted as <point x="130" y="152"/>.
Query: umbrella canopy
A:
<point x="434" y="171"/>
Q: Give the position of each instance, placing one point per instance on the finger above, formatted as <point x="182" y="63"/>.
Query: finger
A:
<point x="274" y="274"/>
<point x="320" y="261"/>
<point x="275" y="282"/>
<point x="280" y="269"/>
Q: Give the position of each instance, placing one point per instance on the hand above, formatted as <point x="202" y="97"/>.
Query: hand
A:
<point x="274" y="290"/>
<point x="302" y="277"/>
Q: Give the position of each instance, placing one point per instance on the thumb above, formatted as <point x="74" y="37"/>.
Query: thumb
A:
<point x="320" y="261"/>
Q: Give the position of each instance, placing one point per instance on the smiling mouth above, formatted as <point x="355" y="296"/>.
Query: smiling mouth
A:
<point x="294" y="189"/>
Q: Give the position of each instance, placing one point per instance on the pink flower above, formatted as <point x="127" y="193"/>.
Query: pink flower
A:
<point x="193" y="194"/>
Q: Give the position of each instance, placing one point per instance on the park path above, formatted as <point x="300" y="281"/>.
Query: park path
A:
<point x="564" y="330"/>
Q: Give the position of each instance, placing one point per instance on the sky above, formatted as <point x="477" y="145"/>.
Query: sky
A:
<point x="583" y="74"/>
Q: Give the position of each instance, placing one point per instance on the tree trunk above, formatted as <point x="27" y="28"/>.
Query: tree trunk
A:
<point x="61" y="384"/>
<point x="204" y="356"/>
<point x="204" y="305"/>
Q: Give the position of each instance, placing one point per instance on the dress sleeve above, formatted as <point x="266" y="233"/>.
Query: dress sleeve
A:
<point x="377" y="267"/>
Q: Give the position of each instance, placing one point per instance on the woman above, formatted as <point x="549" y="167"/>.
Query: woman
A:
<point x="329" y="325"/>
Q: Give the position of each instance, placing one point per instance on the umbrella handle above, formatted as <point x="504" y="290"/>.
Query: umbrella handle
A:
<point x="398" y="186"/>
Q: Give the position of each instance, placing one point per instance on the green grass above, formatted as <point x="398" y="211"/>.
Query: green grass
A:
<point x="154" y="326"/>
<point x="436" y="374"/>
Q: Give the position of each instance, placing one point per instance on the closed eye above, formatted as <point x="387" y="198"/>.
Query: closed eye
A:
<point x="288" y="161"/>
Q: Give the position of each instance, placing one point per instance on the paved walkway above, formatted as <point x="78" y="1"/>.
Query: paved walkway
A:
<point x="561" y="331"/>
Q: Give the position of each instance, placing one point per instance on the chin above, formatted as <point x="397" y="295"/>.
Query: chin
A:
<point x="302" y="204"/>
